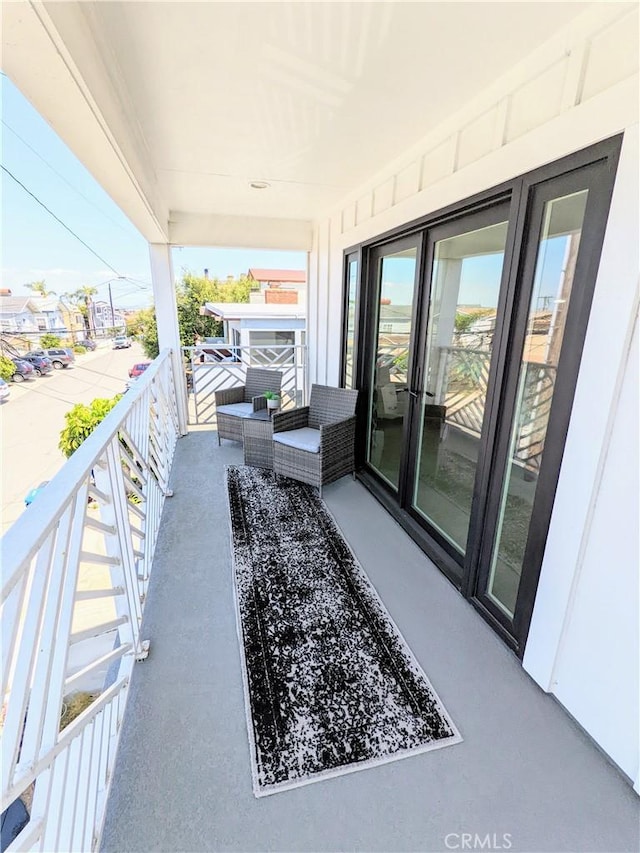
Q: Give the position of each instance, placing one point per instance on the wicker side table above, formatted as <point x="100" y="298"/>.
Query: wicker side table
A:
<point x="257" y="437"/>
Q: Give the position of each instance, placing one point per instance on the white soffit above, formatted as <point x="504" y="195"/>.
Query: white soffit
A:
<point x="176" y="107"/>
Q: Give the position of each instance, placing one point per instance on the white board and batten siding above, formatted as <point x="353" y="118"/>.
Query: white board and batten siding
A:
<point x="578" y="88"/>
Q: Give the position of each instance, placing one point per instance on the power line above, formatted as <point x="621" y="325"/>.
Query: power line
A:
<point x="62" y="177"/>
<point x="57" y="218"/>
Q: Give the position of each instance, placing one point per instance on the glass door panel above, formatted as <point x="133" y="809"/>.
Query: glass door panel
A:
<point x="547" y="313"/>
<point x="350" y="322"/>
<point x="389" y="397"/>
<point x="465" y="286"/>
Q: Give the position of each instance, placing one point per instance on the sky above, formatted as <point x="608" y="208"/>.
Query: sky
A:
<point x="479" y="277"/>
<point x="35" y="246"/>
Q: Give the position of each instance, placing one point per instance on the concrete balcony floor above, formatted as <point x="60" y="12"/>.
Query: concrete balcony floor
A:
<point x="183" y="778"/>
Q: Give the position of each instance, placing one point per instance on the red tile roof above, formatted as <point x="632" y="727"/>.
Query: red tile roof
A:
<point x="278" y="275"/>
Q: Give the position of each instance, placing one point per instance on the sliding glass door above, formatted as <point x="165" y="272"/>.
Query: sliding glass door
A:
<point x="395" y="270"/>
<point x="461" y="314"/>
<point x="473" y="327"/>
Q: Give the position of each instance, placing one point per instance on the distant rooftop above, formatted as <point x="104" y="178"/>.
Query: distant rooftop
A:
<point x="14" y="304"/>
<point x="297" y="276"/>
<point x="253" y="311"/>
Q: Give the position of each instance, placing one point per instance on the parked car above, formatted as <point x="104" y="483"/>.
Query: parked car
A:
<point x="138" y="369"/>
<point x="121" y="342"/>
<point x="41" y="364"/>
<point x="24" y="370"/>
<point x="88" y="344"/>
<point x="4" y="391"/>
<point x="60" y="356"/>
<point x="32" y="494"/>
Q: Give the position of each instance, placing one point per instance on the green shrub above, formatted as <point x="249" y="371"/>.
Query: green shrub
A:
<point x="79" y="349"/>
<point x="7" y="368"/>
<point x="49" y="341"/>
<point x="81" y="422"/>
<point x="73" y="705"/>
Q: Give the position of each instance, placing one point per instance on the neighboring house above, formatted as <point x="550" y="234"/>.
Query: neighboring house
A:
<point x="17" y="314"/>
<point x="246" y="324"/>
<point x="51" y="309"/>
<point x="30" y="315"/>
<point x="288" y="279"/>
<point x="278" y="286"/>
<point x="72" y="319"/>
<point x="105" y="322"/>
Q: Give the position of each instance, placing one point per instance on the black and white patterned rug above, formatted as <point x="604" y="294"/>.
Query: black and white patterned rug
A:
<point x="330" y="684"/>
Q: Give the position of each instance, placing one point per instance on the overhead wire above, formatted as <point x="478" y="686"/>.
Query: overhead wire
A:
<point x="57" y="218"/>
<point x="62" y="177"/>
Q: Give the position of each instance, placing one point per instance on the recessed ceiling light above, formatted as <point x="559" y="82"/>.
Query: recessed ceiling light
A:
<point x="259" y="185"/>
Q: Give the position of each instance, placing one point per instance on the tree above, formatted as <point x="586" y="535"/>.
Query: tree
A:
<point x="48" y="341"/>
<point x="81" y="298"/>
<point x="134" y="323"/>
<point x="148" y="334"/>
<point x="191" y="294"/>
<point x="40" y="288"/>
<point x="7" y="368"/>
<point x="81" y="421"/>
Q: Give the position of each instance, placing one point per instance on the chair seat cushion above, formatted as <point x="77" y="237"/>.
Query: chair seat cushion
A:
<point x="302" y="439"/>
<point x="238" y="410"/>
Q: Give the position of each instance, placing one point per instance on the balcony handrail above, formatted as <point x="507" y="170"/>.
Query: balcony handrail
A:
<point x="30" y="530"/>
<point x="213" y="367"/>
<point x="75" y="577"/>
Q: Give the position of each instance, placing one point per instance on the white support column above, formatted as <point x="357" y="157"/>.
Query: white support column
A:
<point x="164" y="293"/>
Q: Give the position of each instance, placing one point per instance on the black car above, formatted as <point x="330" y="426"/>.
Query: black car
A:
<point x="87" y="344"/>
<point x="40" y="363"/>
<point x="24" y="370"/>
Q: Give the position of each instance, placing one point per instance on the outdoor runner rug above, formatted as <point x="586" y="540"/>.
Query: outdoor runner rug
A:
<point x="330" y="684"/>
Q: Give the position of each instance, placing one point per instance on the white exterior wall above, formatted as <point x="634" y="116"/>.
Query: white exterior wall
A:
<point x="577" y="89"/>
<point x="266" y="325"/>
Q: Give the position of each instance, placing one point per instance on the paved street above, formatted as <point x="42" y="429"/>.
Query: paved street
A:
<point x="30" y="423"/>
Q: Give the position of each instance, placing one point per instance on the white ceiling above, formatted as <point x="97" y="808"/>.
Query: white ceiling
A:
<point x="192" y="101"/>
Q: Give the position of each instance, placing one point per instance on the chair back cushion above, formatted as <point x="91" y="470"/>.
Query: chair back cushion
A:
<point x="260" y="380"/>
<point x="328" y="405"/>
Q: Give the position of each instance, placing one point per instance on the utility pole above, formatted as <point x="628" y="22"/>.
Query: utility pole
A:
<point x="113" y="319"/>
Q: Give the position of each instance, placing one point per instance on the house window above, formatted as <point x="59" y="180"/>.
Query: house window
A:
<point x="272" y="348"/>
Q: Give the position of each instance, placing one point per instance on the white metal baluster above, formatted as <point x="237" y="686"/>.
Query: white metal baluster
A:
<point x="57" y="664"/>
<point x="120" y="545"/>
<point x="68" y="803"/>
<point x="50" y="635"/>
<point x="84" y="777"/>
<point x="12" y="624"/>
<point x="25" y="663"/>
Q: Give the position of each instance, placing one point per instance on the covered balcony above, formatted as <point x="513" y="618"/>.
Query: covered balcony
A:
<point x="163" y="749"/>
<point x="182" y="779"/>
<point x="337" y="129"/>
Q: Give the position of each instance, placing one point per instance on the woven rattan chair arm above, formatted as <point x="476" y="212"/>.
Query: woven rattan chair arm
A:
<point x="259" y="402"/>
<point x="293" y="419"/>
<point x="229" y="395"/>
<point x="341" y="432"/>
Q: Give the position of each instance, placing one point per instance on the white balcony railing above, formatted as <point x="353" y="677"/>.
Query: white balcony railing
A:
<point x="214" y="367"/>
<point x="75" y="569"/>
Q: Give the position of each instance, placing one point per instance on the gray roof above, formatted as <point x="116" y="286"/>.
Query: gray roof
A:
<point x="14" y="304"/>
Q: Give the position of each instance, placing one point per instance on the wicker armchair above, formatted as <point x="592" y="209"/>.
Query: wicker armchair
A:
<point x="315" y="443"/>
<point x="234" y="404"/>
